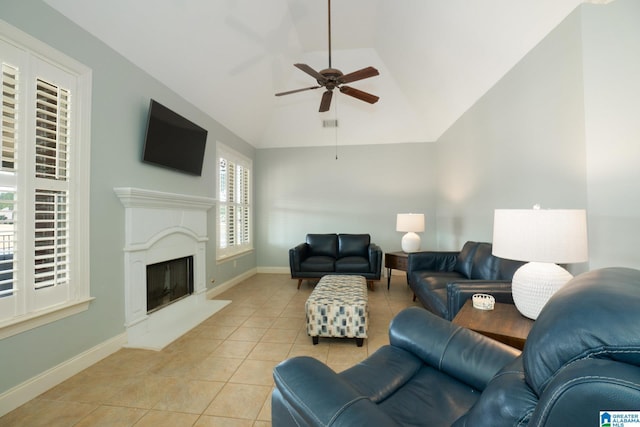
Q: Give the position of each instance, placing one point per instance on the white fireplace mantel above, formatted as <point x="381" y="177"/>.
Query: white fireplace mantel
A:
<point x="159" y="227"/>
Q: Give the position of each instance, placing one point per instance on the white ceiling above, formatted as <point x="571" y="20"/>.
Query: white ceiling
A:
<point x="229" y="57"/>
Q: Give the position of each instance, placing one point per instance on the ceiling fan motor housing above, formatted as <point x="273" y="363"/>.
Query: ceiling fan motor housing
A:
<point x="331" y="78"/>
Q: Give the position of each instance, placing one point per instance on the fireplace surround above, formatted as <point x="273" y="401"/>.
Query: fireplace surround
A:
<point x="160" y="227"/>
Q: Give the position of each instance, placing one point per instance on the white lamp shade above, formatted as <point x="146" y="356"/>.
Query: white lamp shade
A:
<point x="410" y="222"/>
<point x="541" y="235"/>
<point x="544" y="238"/>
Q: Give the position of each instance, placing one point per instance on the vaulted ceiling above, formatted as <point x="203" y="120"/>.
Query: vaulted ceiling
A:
<point x="229" y="57"/>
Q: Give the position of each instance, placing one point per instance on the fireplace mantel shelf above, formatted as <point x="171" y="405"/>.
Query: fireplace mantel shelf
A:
<point x="141" y="198"/>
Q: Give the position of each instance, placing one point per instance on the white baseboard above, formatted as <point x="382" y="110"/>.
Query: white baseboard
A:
<point x="215" y="291"/>
<point x="32" y="388"/>
<point x="274" y="270"/>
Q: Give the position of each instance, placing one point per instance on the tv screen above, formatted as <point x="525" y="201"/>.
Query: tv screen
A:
<point x="173" y="141"/>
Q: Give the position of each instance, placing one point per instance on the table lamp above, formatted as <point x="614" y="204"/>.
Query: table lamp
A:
<point x="542" y="237"/>
<point x="410" y="224"/>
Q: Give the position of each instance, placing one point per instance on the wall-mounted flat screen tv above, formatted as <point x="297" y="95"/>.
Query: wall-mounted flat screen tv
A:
<point x="173" y="141"/>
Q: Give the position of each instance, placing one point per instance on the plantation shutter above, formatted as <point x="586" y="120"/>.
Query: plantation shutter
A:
<point x="8" y="125"/>
<point x="9" y="116"/>
<point x="244" y="205"/>
<point x="234" y="204"/>
<point x="51" y="256"/>
<point x="45" y="148"/>
<point x="232" y="208"/>
<point x="223" y="217"/>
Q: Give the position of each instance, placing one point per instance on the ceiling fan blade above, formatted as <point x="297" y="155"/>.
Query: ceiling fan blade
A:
<point x="325" y="103"/>
<point x="313" y="73"/>
<point x="297" y="90"/>
<point x="361" y="95"/>
<point x="365" y="73"/>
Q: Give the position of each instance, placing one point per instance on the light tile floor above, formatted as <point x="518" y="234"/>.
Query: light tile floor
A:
<point x="219" y="373"/>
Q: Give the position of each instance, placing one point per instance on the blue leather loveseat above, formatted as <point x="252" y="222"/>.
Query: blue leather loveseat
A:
<point x="323" y="254"/>
<point x="582" y="357"/>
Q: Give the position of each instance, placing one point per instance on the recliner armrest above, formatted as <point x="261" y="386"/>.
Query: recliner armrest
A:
<point x="315" y="395"/>
<point x="431" y="261"/>
<point x="459" y="292"/>
<point x="466" y="355"/>
<point x="580" y="390"/>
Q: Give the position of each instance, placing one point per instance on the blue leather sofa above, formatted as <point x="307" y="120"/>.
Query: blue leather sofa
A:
<point x="443" y="280"/>
<point x="582" y="356"/>
<point x="323" y="254"/>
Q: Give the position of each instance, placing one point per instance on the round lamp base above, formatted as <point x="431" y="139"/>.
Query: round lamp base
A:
<point x="534" y="283"/>
<point x="410" y="242"/>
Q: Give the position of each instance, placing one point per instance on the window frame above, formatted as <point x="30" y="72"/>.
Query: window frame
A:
<point x="38" y="60"/>
<point x="228" y="252"/>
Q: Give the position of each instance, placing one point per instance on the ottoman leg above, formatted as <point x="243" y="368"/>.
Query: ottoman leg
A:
<point x="359" y="342"/>
<point x="314" y="340"/>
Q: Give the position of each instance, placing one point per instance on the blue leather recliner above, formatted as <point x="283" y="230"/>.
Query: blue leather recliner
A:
<point x="580" y="362"/>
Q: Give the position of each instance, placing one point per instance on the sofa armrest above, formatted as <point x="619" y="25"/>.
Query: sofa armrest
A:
<point x="309" y="393"/>
<point x="297" y="255"/>
<point x="431" y="261"/>
<point x="459" y="292"/>
<point x="375" y="259"/>
<point x="461" y="353"/>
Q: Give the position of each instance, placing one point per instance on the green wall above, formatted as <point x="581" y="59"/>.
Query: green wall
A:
<point x="121" y="94"/>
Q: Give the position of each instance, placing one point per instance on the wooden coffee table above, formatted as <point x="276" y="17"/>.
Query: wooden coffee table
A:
<point x="504" y="323"/>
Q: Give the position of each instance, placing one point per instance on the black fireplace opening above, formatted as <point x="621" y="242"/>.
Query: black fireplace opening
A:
<point x="169" y="281"/>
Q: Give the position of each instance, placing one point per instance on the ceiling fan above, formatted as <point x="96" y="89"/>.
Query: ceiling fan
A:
<point x="332" y="78"/>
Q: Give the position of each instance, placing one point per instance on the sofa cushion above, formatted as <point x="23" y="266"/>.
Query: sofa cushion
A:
<point x="507" y="398"/>
<point x="323" y="245"/>
<point x="431" y="398"/>
<point x="484" y="265"/>
<point x="352" y="264"/>
<point x="353" y="245"/>
<point x="378" y="384"/>
<point x="465" y="259"/>
<point x="322" y="264"/>
<point x="430" y="280"/>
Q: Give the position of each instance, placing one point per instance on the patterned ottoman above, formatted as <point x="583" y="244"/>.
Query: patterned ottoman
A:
<point x="338" y="307"/>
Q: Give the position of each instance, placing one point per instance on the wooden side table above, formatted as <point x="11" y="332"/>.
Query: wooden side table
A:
<point x="397" y="261"/>
<point x="504" y="323"/>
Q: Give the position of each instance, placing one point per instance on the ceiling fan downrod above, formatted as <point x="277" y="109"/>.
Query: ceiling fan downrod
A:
<point x="329" y="26"/>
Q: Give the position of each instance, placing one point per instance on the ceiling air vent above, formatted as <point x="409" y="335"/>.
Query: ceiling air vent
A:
<point x="333" y="123"/>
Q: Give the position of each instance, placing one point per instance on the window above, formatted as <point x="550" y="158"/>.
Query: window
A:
<point x="44" y="192"/>
<point x="234" y="203"/>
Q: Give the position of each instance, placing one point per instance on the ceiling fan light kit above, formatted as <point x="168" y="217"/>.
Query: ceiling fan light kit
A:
<point x="332" y="78"/>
